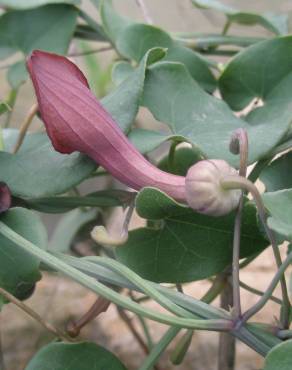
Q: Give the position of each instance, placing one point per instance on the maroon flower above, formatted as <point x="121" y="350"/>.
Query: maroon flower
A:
<point x="5" y="197"/>
<point x="76" y="121"/>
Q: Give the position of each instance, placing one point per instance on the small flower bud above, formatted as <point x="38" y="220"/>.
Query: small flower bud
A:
<point x="204" y="192"/>
<point x="101" y="236"/>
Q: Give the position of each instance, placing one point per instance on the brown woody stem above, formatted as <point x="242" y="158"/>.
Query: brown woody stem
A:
<point x="100" y="305"/>
<point x="11" y="298"/>
<point x="24" y="127"/>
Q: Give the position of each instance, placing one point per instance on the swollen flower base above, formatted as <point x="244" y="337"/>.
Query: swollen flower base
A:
<point x="76" y="121"/>
<point x="204" y="192"/>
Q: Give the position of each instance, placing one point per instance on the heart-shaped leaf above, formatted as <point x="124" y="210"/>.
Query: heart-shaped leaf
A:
<point x="279" y="205"/>
<point x="276" y="23"/>
<point x="112" y="22"/>
<point x="74" y="356"/>
<point x="37" y="170"/>
<point x="19" y="271"/>
<point x="20" y="4"/>
<point x="175" y="98"/>
<point x="135" y="40"/>
<point x="279" y="358"/>
<point x="123" y="103"/>
<point x="48" y="28"/>
<point x="277" y="175"/>
<point x="187" y="246"/>
<point x="262" y="71"/>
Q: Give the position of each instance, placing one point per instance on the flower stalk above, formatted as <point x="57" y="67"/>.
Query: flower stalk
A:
<point x="236" y="182"/>
<point x="238" y="145"/>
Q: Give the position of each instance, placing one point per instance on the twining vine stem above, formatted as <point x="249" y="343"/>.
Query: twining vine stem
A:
<point x="238" y="145"/>
<point x="269" y="291"/>
<point x="235" y="182"/>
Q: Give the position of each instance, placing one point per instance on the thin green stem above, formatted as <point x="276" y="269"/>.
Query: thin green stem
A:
<point x="159" y="348"/>
<point x="97" y="287"/>
<point x="177" y="356"/>
<point x="248" y="260"/>
<point x="11" y="102"/>
<point x="259" y="292"/>
<point x="146" y="287"/>
<point x="143" y="324"/>
<point x="269" y="291"/>
<point x="226" y="27"/>
<point x="284" y="334"/>
<point x="182" y="346"/>
<point x="198" y="308"/>
<point x="235" y="261"/>
<point x="215" y="289"/>
<point x="205" y="41"/>
<point x="237" y="182"/>
<point x="220" y="52"/>
<point x="146" y="331"/>
<point x="89" y="52"/>
<point x="92" y="266"/>
<point x="238" y="145"/>
<point x="128" y="322"/>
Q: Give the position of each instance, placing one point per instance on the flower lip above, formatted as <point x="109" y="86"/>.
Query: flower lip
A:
<point x="76" y="121"/>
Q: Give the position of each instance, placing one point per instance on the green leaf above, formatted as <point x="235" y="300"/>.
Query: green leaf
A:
<point x="147" y="140"/>
<point x="86" y="32"/>
<point x="276" y="23"/>
<point x="74" y="356"/>
<point x="37" y="170"/>
<point x="261" y="71"/>
<point x="136" y="39"/>
<point x="20" y="4"/>
<point x="279" y="205"/>
<point x="19" y="271"/>
<point x="187" y="246"/>
<point x="176" y="99"/>
<point x="112" y="22"/>
<point x="4" y="107"/>
<point x="123" y="103"/>
<point x="99" y="78"/>
<point x="277" y="175"/>
<point x="121" y="71"/>
<point x="68" y="227"/>
<point x="17" y="74"/>
<point x="279" y="358"/>
<point x="60" y="204"/>
<point x="48" y="28"/>
<point x="184" y="158"/>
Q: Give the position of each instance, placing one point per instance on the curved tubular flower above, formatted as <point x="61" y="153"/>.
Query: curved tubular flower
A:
<point x="76" y="121"/>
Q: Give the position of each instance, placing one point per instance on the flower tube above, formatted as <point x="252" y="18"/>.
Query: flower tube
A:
<point x="76" y="121"/>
